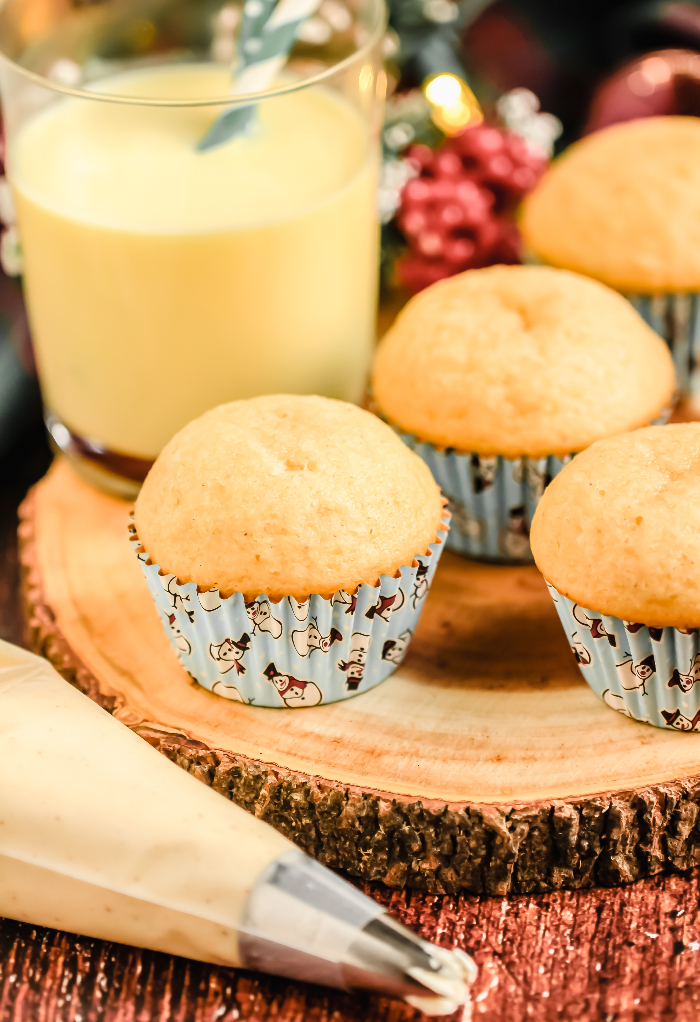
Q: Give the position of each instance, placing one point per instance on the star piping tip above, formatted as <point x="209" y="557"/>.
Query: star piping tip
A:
<point x="450" y="983"/>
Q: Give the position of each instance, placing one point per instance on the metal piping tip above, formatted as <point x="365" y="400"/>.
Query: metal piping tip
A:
<point x="388" y="958"/>
<point x="304" y="922"/>
<point x="457" y="973"/>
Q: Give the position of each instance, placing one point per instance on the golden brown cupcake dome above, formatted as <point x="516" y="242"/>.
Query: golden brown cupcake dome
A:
<point x="497" y="376"/>
<point x="623" y="206"/>
<point x="617" y="537"/>
<point x="289" y="543"/>
<point x="286" y="495"/>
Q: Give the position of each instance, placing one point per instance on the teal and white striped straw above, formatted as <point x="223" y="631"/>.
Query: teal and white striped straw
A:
<point x="267" y="34"/>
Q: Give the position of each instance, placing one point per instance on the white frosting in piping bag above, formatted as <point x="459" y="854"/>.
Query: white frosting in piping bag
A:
<point x="101" y="835"/>
<point x="158" y="860"/>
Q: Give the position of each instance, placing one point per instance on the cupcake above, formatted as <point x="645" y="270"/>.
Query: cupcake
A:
<point x="289" y="543"/>
<point x="616" y="538"/>
<point x="496" y="377"/>
<point x="623" y="206"/>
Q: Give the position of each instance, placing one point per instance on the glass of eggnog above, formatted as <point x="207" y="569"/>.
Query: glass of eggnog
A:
<point x="162" y="280"/>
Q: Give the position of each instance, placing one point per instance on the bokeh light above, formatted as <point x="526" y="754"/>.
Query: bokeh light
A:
<point x="454" y="105"/>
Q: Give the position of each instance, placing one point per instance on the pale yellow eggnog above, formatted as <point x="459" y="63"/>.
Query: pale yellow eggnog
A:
<point x="162" y="281"/>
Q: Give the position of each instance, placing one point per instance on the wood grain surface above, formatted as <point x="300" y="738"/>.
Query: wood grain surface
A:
<point x="625" y="955"/>
<point x="485" y="763"/>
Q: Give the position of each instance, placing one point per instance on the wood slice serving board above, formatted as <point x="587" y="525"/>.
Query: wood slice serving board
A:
<point x="484" y="763"/>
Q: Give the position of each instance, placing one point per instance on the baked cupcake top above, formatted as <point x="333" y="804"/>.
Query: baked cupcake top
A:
<point x="286" y="496"/>
<point x="623" y="205"/>
<point x="618" y="530"/>
<point x="520" y="360"/>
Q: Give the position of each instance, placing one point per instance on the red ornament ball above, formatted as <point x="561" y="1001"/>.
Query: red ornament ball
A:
<point x="457" y="214"/>
<point x="660" y="83"/>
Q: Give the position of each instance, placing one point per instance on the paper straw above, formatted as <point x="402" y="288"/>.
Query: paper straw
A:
<point x="267" y="34"/>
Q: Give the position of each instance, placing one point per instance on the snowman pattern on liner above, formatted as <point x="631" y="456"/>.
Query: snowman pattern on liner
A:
<point x="308" y="639"/>
<point x="179" y="641"/>
<point x="395" y="649"/>
<point x="492" y="513"/>
<point x="176" y="599"/>
<point x="645" y="660"/>
<point x="229" y="653"/>
<point x="354" y="666"/>
<point x="291" y="653"/>
<point x="491" y="498"/>
<point x="293" y="691"/>
<point x="261" y="618"/>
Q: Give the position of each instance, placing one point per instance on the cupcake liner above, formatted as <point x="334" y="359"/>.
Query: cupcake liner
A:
<point x="646" y="673"/>
<point x="676" y="318"/>
<point x="492" y="500"/>
<point x="291" y="654"/>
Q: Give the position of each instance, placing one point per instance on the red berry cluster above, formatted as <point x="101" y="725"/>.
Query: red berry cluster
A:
<point x="458" y="213"/>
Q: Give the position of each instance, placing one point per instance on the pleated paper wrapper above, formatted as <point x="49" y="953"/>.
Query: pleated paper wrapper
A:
<point x="291" y="654"/>
<point x="676" y="318"/>
<point x="650" y="674"/>
<point x="491" y="500"/>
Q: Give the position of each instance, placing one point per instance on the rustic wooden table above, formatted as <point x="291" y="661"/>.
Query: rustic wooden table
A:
<point x="629" y="954"/>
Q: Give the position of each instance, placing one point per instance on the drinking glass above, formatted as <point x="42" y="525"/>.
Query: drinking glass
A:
<point x="162" y="280"/>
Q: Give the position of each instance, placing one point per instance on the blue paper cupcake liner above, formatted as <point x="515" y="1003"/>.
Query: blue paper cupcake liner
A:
<point x="291" y="654"/>
<point x="492" y="500"/>
<point x="676" y="318"/>
<point x="650" y="674"/>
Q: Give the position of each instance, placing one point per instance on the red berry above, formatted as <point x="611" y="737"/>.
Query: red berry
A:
<point x="413" y="222"/>
<point x="416" y="192"/>
<point x="524" y="178"/>
<point x="458" y="212"/>
<point x="499" y="167"/>
<point x="475" y="212"/>
<point x="430" y="244"/>
<point x="491" y="140"/>
<point x="420" y="156"/>
<point x="517" y="148"/>
<point x="443" y="189"/>
<point x="448" y="165"/>
<point x="479" y="141"/>
<point x="487" y="141"/>
<point x="459" y="250"/>
<point x="451" y="214"/>
<point x="468" y="192"/>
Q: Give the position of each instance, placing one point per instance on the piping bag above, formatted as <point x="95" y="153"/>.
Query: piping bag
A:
<point x="101" y="835"/>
